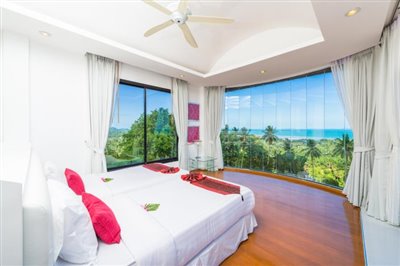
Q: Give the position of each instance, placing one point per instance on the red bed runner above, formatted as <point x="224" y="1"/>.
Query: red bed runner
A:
<point x="217" y="186"/>
<point x="158" y="167"/>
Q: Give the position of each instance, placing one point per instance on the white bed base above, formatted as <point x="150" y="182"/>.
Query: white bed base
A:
<point x="225" y="245"/>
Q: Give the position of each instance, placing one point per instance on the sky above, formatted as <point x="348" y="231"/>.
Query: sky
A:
<point x="302" y="103"/>
<point x="131" y="104"/>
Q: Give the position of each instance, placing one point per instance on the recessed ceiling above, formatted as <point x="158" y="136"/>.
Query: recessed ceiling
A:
<point x="282" y="37"/>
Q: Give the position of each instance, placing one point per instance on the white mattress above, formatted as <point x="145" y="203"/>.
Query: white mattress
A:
<point x="188" y="220"/>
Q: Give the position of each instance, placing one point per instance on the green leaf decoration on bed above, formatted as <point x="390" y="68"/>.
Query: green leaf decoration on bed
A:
<point x="150" y="207"/>
<point x="106" y="179"/>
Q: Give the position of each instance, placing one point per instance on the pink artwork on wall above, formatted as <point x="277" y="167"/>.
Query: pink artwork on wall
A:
<point x="194" y="111"/>
<point x="193" y="134"/>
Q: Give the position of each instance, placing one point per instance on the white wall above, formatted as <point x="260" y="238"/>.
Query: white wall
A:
<point x="58" y="106"/>
<point x="46" y="98"/>
<point x="14" y="88"/>
<point x="196" y="95"/>
<point x="138" y="75"/>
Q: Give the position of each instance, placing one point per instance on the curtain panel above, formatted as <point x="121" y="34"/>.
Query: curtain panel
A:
<point x="214" y="114"/>
<point x="383" y="145"/>
<point x="103" y="78"/>
<point x="180" y="110"/>
<point x="353" y="77"/>
<point x="378" y="193"/>
<point x="391" y="45"/>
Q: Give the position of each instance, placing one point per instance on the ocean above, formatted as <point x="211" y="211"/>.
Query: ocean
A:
<point x="307" y="133"/>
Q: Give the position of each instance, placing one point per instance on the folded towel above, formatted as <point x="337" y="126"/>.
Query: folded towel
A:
<point x="170" y="170"/>
<point x="210" y="184"/>
<point x="156" y="167"/>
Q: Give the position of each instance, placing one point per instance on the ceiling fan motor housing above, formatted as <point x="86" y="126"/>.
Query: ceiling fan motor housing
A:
<point x="178" y="17"/>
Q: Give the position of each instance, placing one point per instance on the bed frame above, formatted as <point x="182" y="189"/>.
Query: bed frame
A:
<point x="26" y="211"/>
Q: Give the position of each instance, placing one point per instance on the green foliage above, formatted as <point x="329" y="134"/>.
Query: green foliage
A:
<point x="150" y="207"/>
<point x="126" y="146"/>
<point x="317" y="160"/>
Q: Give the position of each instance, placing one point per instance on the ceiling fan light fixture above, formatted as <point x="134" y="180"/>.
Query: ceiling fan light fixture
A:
<point x="178" y="17"/>
<point x="353" y="12"/>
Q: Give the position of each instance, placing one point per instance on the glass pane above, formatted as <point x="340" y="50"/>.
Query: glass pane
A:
<point x="315" y="106"/>
<point x="269" y="133"/>
<point x="244" y="127"/>
<point x="161" y="135"/>
<point x="256" y="152"/>
<point x="125" y="143"/>
<point x="229" y="136"/>
<point x="294" y="150"/>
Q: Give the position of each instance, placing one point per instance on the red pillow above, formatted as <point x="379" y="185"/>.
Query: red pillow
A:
<point x="104" y="222"/>
<point x="74" y="181"/>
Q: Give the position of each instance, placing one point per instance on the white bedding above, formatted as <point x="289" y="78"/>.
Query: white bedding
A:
<point x="132" y="178"/>
<point x="117" y="254"/>
<point x="188" y="212"/>
<point x="188" y="220"/>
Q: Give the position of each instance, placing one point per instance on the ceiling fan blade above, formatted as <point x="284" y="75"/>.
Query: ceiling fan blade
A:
<point x="158" y="28"/>
<point x="205" y="19"/>
<point x="188" y="35"/>
<point x="158" y="6"/>
<point x="182" y="6"/>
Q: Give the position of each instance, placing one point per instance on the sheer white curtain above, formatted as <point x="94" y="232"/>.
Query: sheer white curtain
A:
<point x="180" y="109"/>
<point x="383" y="145"/>
<point x="391" y="42"/>
<point x="214" y="113"/>
<point x="353" y="77"/>
<point x="103" y="77"/>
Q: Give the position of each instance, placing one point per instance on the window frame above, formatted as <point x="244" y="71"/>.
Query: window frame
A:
<point x="321" y="71"/>
<point x="145" y="87"/>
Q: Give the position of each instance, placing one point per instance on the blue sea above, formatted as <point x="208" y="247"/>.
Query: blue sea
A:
<point x="307" y="133"/>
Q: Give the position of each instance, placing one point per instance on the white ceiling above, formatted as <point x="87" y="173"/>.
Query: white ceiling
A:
<point x="282" y="37"/>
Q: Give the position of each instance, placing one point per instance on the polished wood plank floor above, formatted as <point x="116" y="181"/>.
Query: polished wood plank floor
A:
<point x="297" y="225"/>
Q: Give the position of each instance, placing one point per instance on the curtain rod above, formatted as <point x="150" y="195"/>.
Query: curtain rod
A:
<point x="392" y="17"/>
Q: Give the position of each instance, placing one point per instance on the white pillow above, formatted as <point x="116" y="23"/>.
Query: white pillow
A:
<point x="51" y="171"/>
<point x="79" y="242"/>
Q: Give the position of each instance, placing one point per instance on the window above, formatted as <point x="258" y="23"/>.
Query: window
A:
<point x="294" y="127"/>
<point x="143" y="128"/>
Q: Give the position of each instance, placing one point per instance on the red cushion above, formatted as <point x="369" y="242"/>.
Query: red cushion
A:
<point x="104" y="222"/>
<point x="74" y="181"/>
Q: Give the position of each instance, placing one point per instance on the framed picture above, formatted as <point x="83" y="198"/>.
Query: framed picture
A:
<point x="193" y="111"/>
<point x="193" y="134"/>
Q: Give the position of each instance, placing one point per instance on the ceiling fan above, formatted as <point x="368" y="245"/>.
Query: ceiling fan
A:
<point x="179" y="17"/>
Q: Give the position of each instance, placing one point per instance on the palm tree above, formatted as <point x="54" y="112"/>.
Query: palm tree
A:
<point x="289" y="156"/>
<point x="344" y="148"/>
<point x="311" y="150"/>
<point x="269" y="135"/>
<point x="244" y="133"/>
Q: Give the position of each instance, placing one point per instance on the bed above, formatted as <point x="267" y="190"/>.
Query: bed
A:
<point x="193" y="226"/>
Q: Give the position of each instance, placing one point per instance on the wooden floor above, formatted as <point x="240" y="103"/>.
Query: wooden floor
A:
<point x="297" y="225"/>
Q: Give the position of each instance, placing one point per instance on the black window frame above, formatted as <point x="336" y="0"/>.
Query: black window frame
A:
<point x="145" y="87"/>
<point x="321" y="71"/>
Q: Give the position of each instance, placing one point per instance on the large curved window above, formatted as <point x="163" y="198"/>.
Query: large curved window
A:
<point x="294" y="127"/>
